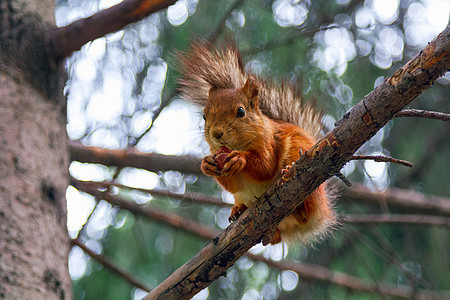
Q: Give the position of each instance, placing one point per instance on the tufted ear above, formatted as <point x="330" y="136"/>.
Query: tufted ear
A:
<point x="212" y="90"/>
<point x="250" y="90"/>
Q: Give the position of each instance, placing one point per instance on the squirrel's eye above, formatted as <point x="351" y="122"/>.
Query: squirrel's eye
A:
<point x="204" y="117"/>
<point x="240" y="112"/>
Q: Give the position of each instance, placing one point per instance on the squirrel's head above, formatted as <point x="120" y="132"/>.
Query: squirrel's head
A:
<point x="232" y="116"/>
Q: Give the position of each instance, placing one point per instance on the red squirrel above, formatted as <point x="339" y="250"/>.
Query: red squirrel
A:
<point x="254" y="130"/>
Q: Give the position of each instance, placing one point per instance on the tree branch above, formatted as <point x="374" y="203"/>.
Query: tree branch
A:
<point x="401" y="198"/>
<point x="392" y="196"/>
<point x="381" y="158"/>
<point x="418" y="113"/>
<point x="319" y="273"/>
<point x="132" y="158"/>
<point x="308" y="271"/>
<point x="154" y="214"/>
<point x="110" y="266"/>
<point x="320" y="163"/>
<point x="65" y="40"/>
<point x="195" y="197"/>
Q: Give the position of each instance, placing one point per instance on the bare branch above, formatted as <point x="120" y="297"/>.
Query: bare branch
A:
<point x="381" y="158"/>
<point x="308" y="271"/>
<point x="390" y="218"/>
<point x="110" y="266"/>
<point x="154" y="214"/>
<point x="65" y="40"/>
<point x="132" y="158"/>
<point x="417" y="113"/>
<point x="344" y="179"/>
<point x="195" y="197"/>
<point x="324" y="160"/>
<point x="315" y="272"/>
<point x="401" y="198"/>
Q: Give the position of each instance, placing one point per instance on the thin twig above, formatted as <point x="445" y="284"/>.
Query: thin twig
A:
<point x="344" y="179"/>
<point x="110" y="266"/>
<point x="381" y="158"/>
<point x="195" y="197"/>
<point x="418" y="113"/>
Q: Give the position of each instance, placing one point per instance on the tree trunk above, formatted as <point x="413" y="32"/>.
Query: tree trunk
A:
<point x="34" y="244"/>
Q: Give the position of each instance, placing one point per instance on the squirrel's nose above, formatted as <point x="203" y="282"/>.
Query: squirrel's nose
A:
<point x="217" y="134"/>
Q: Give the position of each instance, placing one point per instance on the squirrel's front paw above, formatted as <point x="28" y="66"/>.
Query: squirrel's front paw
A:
<point x="209" y="166"/>
<point x="234" y="163"/>
<point x="236" y="211"/>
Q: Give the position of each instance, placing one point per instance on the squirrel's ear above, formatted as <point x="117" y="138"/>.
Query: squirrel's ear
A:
<point x="212" y="90"/>
<point x="250" y="90"/>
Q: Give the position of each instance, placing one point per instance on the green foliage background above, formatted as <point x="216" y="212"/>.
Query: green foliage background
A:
<point x="388" y="254"/>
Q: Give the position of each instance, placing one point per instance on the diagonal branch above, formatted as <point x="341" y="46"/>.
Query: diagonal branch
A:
<point x="194" y="197"/>
<point x="65" y="40"/>
<point x="110" y="266"/>
<point x="395" y="197"/>
<point x="308" y="271"/>
<point x="326" y="158"/>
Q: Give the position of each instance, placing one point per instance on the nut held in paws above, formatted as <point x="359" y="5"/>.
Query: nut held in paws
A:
<point x="220" y="156"/>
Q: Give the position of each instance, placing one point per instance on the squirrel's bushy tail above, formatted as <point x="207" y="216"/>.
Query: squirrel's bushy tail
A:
<point x="205" y="66"/>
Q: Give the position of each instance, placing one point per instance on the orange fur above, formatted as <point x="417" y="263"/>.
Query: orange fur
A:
<point x="237" y="110"/>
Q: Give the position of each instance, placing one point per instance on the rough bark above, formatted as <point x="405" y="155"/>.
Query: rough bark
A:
<point x="132" y="158"/>
<point x="34" y="245"/>
<point x="321" y="162"/>
<point x="65" y="40"/>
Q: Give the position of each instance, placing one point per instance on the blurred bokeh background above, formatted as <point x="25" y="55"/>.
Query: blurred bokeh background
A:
<point x="122" y="94"/>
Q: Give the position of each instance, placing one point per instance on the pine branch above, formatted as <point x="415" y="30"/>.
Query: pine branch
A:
<point x="132" y="158"/>
<point x="400" y="198"/>
<point x="110" y="266"/>
<point x="392" y="196"/>
<point x="319" y="273"/>
<point x="153" y="213"/>
<point x="65" y="40"/>
<point x="308" y="271"/>
<point x="324" y="160"/>
<point x="194" y="197"/>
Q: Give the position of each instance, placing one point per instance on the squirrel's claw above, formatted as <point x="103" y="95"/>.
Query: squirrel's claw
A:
<point x="236" y="211"/>
<point x="209" y="167"/>
<point x="234" y="163"/>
